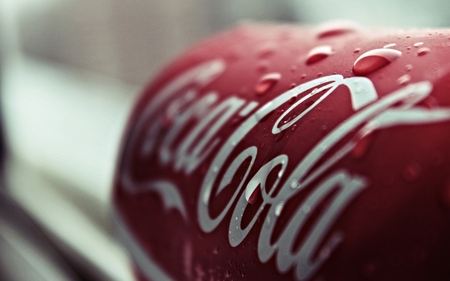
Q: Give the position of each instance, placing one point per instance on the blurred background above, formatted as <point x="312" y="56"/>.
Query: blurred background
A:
<point x="70" y="71"/>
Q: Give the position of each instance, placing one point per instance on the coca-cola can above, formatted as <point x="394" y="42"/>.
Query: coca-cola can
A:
<point x="283" y="152"/>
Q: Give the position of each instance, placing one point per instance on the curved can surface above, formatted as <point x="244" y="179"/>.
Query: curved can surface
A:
<point x="276" y="152"/>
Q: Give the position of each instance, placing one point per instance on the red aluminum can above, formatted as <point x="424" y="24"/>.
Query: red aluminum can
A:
<point x="283" y="152"/>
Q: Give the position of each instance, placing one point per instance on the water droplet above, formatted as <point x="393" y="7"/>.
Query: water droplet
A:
<point x="303" y="76"/>
<point x="293" y="68"/>
<point x="279" y="136"/>
<point x="418" y="44"/>
<point x="409" y="67"/>
<point x="407" y="36"/>
<point x="320" y="74"/>
<point x="389" y="45"/>
<point x="278" y="208"/>
<point x="215" y="169"/>
<point x="293" y="127"/>
<point x="262" y="66"/>
<point x="267" y="82"/>
<point x="267" y="49"/>
<point x="262" y="145"/>
<point x="374" y="60"/>
<point x="280" y="174"/>
<point x="411" y="171"/>
<point x="294" y="184"/>
<point x="292" y="86"/>
<point x="357" y="50"/>
<point x="363" y="140"/>
<point x="362" y="146"/>
<point x="318" y="53"/>
<point x="292" y="99"/>
<point x="336" y="27"/>
<point x="404" y="79"/>
<point x="423" y="51"/>
<point x="216" y="250"/>
<point x="251" y="193"/>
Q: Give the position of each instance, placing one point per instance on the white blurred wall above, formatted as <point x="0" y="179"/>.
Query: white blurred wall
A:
<point x="130" y="40"/>
<point x="385" y="13"/>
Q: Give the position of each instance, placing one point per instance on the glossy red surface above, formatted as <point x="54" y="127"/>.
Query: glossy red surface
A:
<point x="394" y="224"/>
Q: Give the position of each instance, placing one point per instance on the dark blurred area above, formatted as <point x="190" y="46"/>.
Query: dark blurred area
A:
<point x="69" y="74"/>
